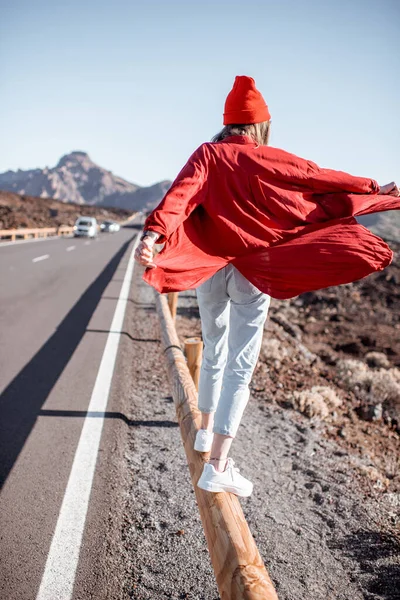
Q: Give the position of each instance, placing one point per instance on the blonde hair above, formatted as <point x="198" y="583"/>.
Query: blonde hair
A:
<point x="259" y="132"/>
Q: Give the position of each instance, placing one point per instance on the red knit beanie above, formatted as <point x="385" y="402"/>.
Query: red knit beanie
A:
<point x="244" y="103"/>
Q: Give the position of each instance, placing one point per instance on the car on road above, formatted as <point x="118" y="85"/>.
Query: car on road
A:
<point x="85" y="227"/>
<point x="109" y="226"/>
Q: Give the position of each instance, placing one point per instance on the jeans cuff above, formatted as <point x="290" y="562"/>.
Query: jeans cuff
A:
<point x="223" y="431"/>
<point x="206" y="410"/>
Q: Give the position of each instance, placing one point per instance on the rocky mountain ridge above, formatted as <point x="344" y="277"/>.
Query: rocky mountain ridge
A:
<point x="76" y="178"/>
<point x="18" y="212"/>
<point x="384" y="224"/>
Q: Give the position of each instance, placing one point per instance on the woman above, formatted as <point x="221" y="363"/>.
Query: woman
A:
<point x="243" y="222"/>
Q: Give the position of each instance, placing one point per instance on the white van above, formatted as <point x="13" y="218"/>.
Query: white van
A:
<point x="86" y="227"/>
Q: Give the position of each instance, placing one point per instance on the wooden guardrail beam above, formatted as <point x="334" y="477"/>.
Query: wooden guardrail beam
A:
<point x="45" y="231"/>
<point x="173" y="303"/>
<point x="128" y="220"/>
<point x="239" y="570"/>
<point x="64" y="230"/>
<point x="25" y="230"/>
<point x="194" y="354"/>
<point x="37" y="232"/>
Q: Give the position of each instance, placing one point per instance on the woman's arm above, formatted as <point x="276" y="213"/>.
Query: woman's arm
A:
<point x="324" y="181"/>
<point x="300" y="174"/>
<point x="390" y="189"/>
<point x="184" y="195"/>
<point x="186" y="192"/>
<point x="343" y="195"/>
<point x="144" y="252"/>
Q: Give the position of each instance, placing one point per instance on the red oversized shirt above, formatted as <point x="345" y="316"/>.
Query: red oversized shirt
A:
<point x="285" y="224"/>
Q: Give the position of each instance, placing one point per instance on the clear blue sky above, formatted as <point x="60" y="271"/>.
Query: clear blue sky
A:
<point x="140" y="84"/>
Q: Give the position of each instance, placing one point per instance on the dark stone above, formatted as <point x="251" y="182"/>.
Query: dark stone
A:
<point x="319" y="499"/>
<point x="350" y="347"/>
<point x="371" y="412"/>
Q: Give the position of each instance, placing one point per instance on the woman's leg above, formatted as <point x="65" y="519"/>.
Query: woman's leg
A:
<point x="220" y="450"/>
<point x="249" y="309"/>
<point x="244" y="344"/>
<point x="214" y="308"/>
<point x="207" y="420"/>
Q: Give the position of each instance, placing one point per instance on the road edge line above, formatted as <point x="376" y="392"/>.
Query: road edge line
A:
<point x="62" y="561"/>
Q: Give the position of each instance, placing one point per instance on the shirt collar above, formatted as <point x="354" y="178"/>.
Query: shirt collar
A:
<point x="238" y="139"/>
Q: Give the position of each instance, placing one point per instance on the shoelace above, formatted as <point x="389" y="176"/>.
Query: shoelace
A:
<point x="232" y="462"/>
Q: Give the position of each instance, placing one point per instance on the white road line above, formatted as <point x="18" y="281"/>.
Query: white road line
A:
<point x="59" y="574"/>
<point x="70" y="248"/>
<point x="87" y="243"/>
<point x="38" y="258"/>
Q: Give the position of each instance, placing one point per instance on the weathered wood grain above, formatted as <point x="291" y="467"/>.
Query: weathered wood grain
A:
<point x="194" y="355"/>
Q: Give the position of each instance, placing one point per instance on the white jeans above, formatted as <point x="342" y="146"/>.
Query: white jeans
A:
<point x="233" y="312"/>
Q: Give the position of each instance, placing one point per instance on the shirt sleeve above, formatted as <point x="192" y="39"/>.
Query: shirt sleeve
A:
<point x="185" y="194"/>
<point x="343" y="195"/>
<point x="327" y="180"/>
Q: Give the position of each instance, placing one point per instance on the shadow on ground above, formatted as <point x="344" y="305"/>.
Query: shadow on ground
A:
<point x="23" y="398"/>
<point x="105" y="415"/>
<point x="373" y="551"/>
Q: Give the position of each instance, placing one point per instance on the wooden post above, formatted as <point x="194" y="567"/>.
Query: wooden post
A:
<point x="238" y="567"/>
<point x="194" y="353"/>
<point x="173" y="303"/>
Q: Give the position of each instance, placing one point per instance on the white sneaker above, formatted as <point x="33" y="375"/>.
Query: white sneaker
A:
<point x="228" y="481"/>
<point x="203" y="441"/>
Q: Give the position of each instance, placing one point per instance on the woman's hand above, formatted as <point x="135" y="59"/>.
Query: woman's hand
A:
<point x="144" y="252"/>
<point x="389" y="189"/>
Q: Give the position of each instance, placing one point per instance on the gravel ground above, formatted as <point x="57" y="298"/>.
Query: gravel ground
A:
<point x="320" y="535"/>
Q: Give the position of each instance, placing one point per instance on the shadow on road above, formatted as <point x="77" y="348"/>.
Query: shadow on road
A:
<point x="105" y="415"/>
<point x="23" y="398"/>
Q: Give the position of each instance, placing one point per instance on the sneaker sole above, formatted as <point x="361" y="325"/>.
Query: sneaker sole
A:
<point x="199" y="449"/>
<point x="215" y="487"/>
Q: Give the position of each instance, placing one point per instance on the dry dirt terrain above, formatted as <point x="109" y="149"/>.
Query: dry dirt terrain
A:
<point x="319" y="439"/>
<point x="27" y="211"/>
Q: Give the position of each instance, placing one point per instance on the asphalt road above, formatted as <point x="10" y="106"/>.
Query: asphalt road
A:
<point x="57" y="302"/>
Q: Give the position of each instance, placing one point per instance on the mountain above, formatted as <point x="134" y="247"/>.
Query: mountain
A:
<point x="384" y="224"/>
<point x="76" y="178"/>
<point x="26" y="211"/>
